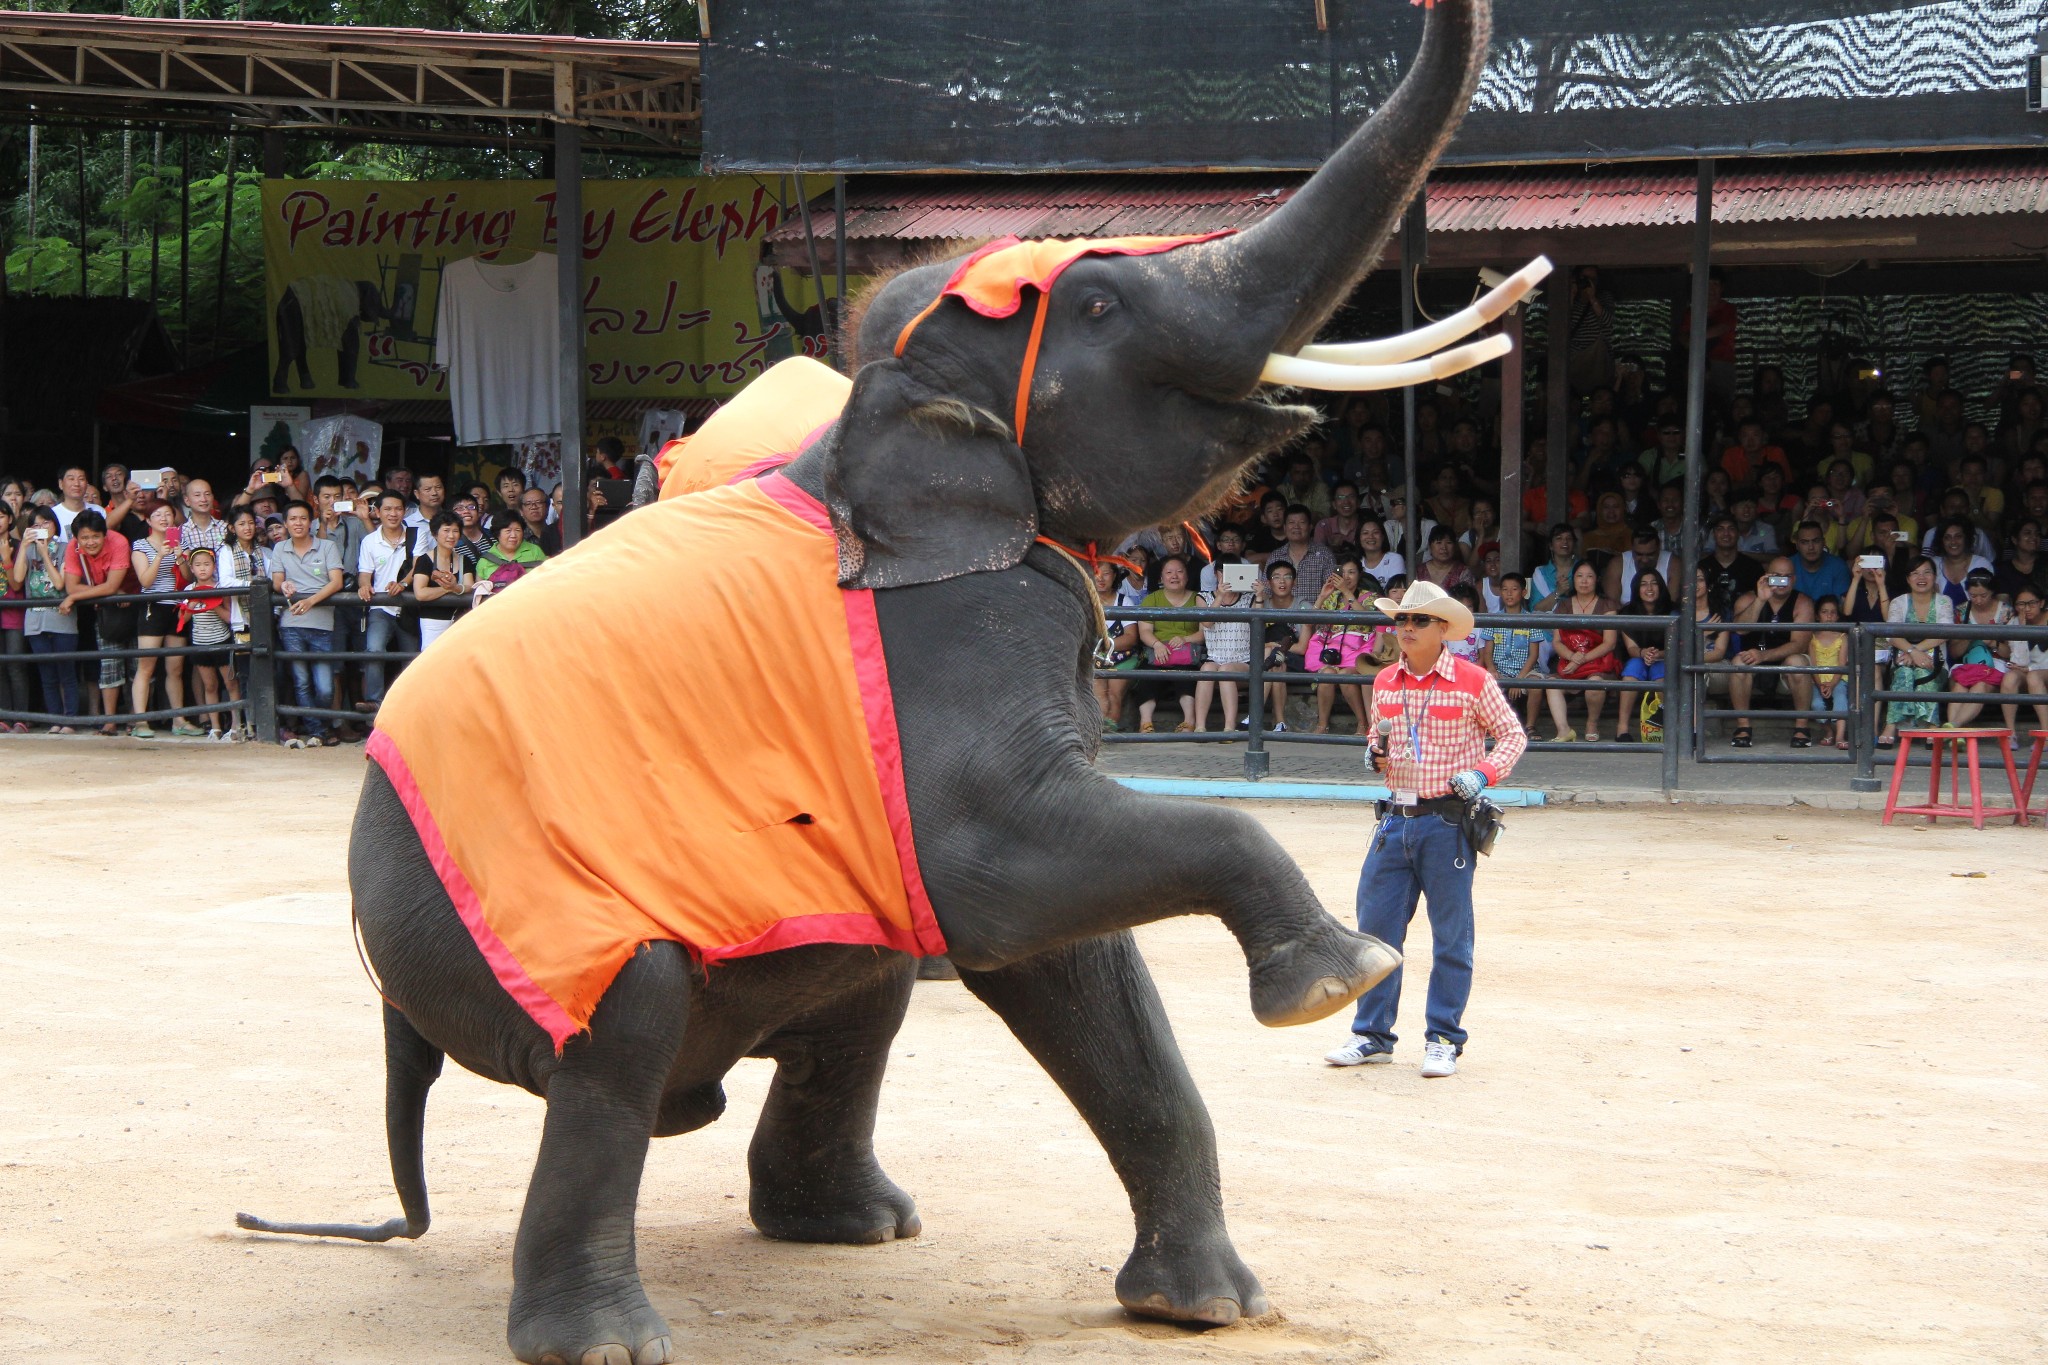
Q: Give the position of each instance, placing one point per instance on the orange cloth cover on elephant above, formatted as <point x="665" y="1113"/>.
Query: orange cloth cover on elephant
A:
<point x="680" y="729"/>
<point x="992" y="280"/>
<point x="765" y="424"/>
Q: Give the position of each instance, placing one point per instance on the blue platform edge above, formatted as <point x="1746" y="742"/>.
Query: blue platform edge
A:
<point x="1300" y="791"/>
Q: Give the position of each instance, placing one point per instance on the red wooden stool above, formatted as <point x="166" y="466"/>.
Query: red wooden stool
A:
<point x="1954" y="742"/>
<point x="2033" y="768"/>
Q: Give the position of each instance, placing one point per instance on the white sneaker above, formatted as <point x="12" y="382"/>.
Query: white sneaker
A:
<point x="1439" y="1058"/>
<point x="1360" y="1051"/>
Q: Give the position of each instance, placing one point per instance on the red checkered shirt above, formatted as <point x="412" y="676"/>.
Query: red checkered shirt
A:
<point x="1450" y="711"/>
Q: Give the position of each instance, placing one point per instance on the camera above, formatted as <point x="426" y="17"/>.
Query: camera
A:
<point x="37" y="533"/>
<point x="1778" y="580"/>
<point x="1870" y="561"/>
<point x="149" y="480"/>
<point x="1332" y="656"/>
<point x="345" y="505"/>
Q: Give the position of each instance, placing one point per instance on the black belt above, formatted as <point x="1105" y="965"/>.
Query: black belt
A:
<point x="1452" y="808"/>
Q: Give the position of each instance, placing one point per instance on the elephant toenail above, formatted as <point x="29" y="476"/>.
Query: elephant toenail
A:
<point x="1222" y="1312"/>
<point x="611" y="1353"/>
<point x="655" y="1352"/>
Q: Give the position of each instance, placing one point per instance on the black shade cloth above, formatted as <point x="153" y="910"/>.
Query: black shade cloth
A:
<point x="1099" y="84"/>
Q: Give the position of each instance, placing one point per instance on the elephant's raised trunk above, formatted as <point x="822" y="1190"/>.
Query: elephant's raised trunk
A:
<point x="1294" y="269"/>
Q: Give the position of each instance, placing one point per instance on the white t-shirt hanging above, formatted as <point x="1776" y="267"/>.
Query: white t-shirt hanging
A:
<point x="497" y="334"/>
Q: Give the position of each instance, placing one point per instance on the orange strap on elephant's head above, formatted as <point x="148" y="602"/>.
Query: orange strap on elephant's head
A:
<point x="992" y="283"/>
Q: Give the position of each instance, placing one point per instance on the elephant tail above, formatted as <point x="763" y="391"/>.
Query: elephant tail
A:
<point x="411" y="1066"/>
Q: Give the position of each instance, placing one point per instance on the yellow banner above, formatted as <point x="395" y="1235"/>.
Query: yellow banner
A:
<point x="677" y="301"/>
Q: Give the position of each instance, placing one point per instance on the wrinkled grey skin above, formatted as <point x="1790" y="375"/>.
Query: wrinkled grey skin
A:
<point x="1143" y="408"/>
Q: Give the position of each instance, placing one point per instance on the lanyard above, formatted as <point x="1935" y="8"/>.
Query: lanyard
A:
<point x="1412" y="714"/>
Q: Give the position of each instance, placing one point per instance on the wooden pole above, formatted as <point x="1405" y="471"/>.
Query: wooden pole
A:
<point x="569" y="302"/>
<point x="1557" y="384"/>
<point x="1511" y="446"/>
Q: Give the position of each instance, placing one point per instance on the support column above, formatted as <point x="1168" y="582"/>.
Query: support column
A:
<point x="273" y="154"/>
<point x="1684" y="723"/>
<point x="841" y="359"/>
<point x="569" y="300"/>
<point x="1511" y="445"/>
<point x="1557" y="400"/>
<point x="1414" y="253"/>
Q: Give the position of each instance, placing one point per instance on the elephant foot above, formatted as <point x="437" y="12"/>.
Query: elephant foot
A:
<point x="569" y="1332"/>
<point x="1189" y="1282"/>
<point x="878" y="1212"/>
<point x="1312" y="978"/>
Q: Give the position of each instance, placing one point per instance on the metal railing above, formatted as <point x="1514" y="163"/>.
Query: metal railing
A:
<point x="1869" y="699"/>
<point x="1255" y="675"/>
<point x="1685" y="686"/>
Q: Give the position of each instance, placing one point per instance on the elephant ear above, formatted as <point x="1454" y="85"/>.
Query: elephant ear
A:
<point x="922" y="486"/>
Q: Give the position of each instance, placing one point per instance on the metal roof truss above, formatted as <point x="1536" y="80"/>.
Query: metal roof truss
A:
<point x="390" y="85"/>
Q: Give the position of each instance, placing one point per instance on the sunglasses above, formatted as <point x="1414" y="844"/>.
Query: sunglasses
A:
<point x="1409" y="621"/>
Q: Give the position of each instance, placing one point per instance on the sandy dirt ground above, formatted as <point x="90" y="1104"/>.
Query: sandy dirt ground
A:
<point x="1743" y="1086"/>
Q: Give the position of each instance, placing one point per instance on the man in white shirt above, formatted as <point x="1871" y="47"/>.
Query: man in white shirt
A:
<point x="431" y="493"/>
<point x="381" y="570"/>
<point x="72" y="484"/>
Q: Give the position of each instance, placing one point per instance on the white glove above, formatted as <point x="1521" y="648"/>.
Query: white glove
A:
<point x="1468" y="784"/>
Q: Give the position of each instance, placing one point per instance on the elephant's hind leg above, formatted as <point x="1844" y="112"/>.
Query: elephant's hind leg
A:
<point x="411" y="1066"/>
<point x="576" y="1293"/>
<point x="812" y="1162"/>
<point x="1089" y="1015"/>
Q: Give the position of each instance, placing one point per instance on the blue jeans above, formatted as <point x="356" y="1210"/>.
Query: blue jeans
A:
<point x="1637" y="671"/>
<point x="60" y="680"/>
<point x="312" y="679"/>
<point x="385" y="632"/>
<point x="1418" y="855"/>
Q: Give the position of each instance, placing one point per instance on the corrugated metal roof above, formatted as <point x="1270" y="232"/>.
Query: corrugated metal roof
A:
<point x="1546" y="199"/>
<point x="1836" y="189"/>
<point x="956" y="207"/>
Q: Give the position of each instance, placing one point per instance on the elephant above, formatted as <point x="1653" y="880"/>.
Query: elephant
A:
<point x="956" y="499"/>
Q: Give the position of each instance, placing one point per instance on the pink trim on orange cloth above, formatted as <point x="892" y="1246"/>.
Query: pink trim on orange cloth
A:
<point x="795" y="501"/>
<point x="878" y="702"/>
<point x="766" y="812"/>
<point x="878" y="699"/>
<point x="535" y="1001"/>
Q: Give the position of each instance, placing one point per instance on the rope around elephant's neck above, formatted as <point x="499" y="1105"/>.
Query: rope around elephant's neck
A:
<point x="1088" y="577"/>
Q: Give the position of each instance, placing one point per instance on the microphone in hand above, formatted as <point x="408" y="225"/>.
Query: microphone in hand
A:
<point x="1376" y="752"/>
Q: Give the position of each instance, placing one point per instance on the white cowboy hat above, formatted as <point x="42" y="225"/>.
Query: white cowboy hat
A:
<point x="1424" y="598"/>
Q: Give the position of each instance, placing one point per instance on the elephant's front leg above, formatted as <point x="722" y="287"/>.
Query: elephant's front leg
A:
<point x="1084" y="856"/>
<point x="576" y="1293"/>
<point x="1089" y="1015"/>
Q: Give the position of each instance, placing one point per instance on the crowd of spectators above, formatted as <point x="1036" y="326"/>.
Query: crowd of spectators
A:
<point x="1865" y="505"/>
<point x="327" y="547"/>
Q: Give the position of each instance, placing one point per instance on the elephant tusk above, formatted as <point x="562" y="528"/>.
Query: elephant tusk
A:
<point x="1321" y="374"/>
<point x="1423" y="340"/>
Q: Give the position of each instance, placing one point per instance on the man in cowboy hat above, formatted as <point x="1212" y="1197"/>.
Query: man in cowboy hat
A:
<point x="1435" y="713"/>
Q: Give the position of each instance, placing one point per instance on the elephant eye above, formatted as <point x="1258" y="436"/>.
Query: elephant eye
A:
<point x="1097" y="307"/>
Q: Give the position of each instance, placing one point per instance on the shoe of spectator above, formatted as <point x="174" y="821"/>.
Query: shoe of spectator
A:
<point x="1279" y="727"/>
<point x="1439" y="1058"/>
<point x="330" y="740"/>
<point x="1567" y="736"/>
<point x="366" y="707"/>
<point x="180" y="728"/>
<point x="141" y="730"/>
<point x="1360" y="1051"/>
<point x="21" y="727"/>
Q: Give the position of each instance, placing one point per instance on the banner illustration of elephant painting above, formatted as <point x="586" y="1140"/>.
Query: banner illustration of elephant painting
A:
<point x="678" y="302"/>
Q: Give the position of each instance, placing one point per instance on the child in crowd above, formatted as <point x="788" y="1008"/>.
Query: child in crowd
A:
<point x="206" y="618"/>
<point x="1828" y="649"/>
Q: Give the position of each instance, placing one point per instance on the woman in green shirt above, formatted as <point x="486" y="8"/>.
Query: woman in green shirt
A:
<point x="1171" y="644"/>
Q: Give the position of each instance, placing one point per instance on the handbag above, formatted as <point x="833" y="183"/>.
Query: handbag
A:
<point x="1184" y="654"/>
